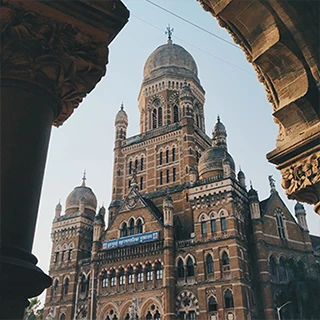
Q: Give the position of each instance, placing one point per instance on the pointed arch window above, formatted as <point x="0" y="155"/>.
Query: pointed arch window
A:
<point x="167" y="156"/>
<point x="127" y="317"/>
<point x="139" y="226"/>
<point x="209" y="264"/>
<point x="130" y="275"/>
<point x="83" y="284"/>
<point x="180" y="268"/>
<point x="130" y="167"/>
<point x="161" y="158"/>
<point x="149" y="316"/>
<point x="113" y="278"/>
<point x="140" y="274"/>
<point x="212" y="304"/>
<point x="161" y="177"/>
<point x="204" y="227"/>
<point x="173" y="154"/>
<point x="272" y="266"/>
<point x="66" y="286"/>
<point x="175" y="114"/>
<point x="159" y="271"/>
<point x="131" y="227"/>
<point x="225" y="259"/>
<point x="136" y="164"/>
<point x="154" y="118"/>
<point x="190" y="267"/>
<point x="55" y="288"/>
<point x="157" y="315"/>
<point x="63" y="317"/>
<point x="174" y="174"/>
<point x="70" y="254"/>
<point x="124" y="230"/>
<point x="213" y="226"/>
<point x="228" y="299"/>
<point x="280" y="226"/>
<point x="56" y="257"/>
<point x="282" y="269"/>
<point x="223" y="222"/>
<point x="104" y="282"/>
<point x="149" y="272"/>
<point x="168" y="175"/>
<point x="159" y="117"/>
<point x="142" y="163"/>
<point x="121" y="277"/>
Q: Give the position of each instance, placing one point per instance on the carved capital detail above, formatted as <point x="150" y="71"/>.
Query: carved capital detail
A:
<point x="53" y="55"/>
<point x="301" y="180"/>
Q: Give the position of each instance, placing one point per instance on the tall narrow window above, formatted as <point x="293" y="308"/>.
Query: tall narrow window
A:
<point x="139" y="226"/>
<point x="56" y="257"/>
<point x="192" y="315"/>
<point x="282" y="270"/>
<point x="280" y="226"/>
<point x="180" y="268"/>
<point x="161" y="178"/>
<point x="149" y="272"/>
<point x="167" y="156"/>
<point x="190" y="268"/>
<point x="141" y="164"/>
<point x="140" y="274"/>
<point x="159" y="271"/>
<point x="204" y="227"/>
<point x="213" y="226"/>
<point x="124" y="230"/>
<point x="141" y="183"/>
<point x="272" y="266"/>
<point x="174" y="154"/>
<point x="223" y="224"/>
<point x="168" y="175"/>
<point x="66" y="286"/>
<point x="212" y="304"/>
<point x="228" y="299"/>
<point x="131" y="227"/>
<point x="157" y="315"/>
<point x="104" y="282"/>
<point x="225" y="259"/>
<point x="175" y="114"/>
<point x="63" y="317"/>
<point x="209" y="264"/>
<point x="197" y="121"/>
<point x="63" y="255"/>
<point x="55" y="287"/>
<point x="149" y="316"/>
<point x="83" y="284"/>
<point x="161" y="158"/>
<point x="70" y="254"/>
<point x="113" y="278"/>
<point x="159" y="117"/>
<point x="130" y="275"/>
<point x="121" y="277"/>
<point x="154" y="118"/>
<point x="136" y="164"/>
<point x="130" y="167"/>
<point x="174" y="175"/>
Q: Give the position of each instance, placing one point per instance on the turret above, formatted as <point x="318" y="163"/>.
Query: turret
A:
<point x="219" y="135"/>
<point x="254" y="203"/>
<point x="186" y="101"/>
<point x="121" y="124"/>
<point x="58" y="210"/>
<point x="242" y="178"/>
<point x="168" y="211"/>
<point x="98" y="228"/>
<point x="300" y="214"/>
<point x="193" y="175"/>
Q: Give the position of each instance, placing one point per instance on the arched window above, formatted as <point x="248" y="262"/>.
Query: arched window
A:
<point x="228" y="299"/>
<point x="56" y="257"/>
<point x="63" y="317"/>
<point x="131" y="227"/>
<point x="66" y="286"/>
<point x="127" y="317"/>
<point x="209" y="264"/>
<point x="113" y="278"/>
<point x="290" y="269"/>
<point x="175" y="114"/>
<point x="130" y="167"/>
<point x="161" y="177"/>
<point x="83" y="283"/>
<point x="174" y="154"/>
<point x="124" y="230"/>
<point x="141" y="164"/>
<point x="204" y="227"/>
<point x="159" y="271"/>
<point x="212" y="304"/>
<point x="149" y="316"/>
<point x="225" y="259"/>
<point x="280" y="226"/>
<point x="140" y="274"/>
<point x="104" y="282"/>
<point x="167" y="156"/>
<point x="159" y="117"/>
<point x="130" y="275"/>
<point x="197" y="121"/>
<point x="63" y="255"/>
<point x="55" y="287"/>
<point x="70" y="254"/>
<point x="139" y="226"/>
<point x="174" y="174"/>
<point x="213" y="226"/>
<point x="154" y="118"/>
<point x="190" y="268"/>
<point x="223" y="224"/>
<point x="121" y="133"/>
<point x="121" y="277"/>
<point x="136" y="164"/>
<point x="157" y="315"/>
<point x="149" y="272"/>
<point x="272" y="266"/>
<point x="168" y="175"/>
<point x="282" y="269"/>
<point x="161" y="157"/>
<point x="180" y="268"/>
<point x="141" y="183"/>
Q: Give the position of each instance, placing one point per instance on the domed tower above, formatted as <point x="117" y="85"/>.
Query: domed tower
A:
<point x="71" y="237"/>
<point x="216" y="161"/>
<point x="121" y="124"/>
<point x="254" y="203"/>
<point x="300" y="214"/>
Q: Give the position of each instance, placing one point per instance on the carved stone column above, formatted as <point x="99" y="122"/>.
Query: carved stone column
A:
<point x="52" y="54"/>
<point x="281" y="40"/>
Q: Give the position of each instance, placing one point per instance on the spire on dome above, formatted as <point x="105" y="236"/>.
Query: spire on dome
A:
<point x="219" y="135"/>
<point x="169" y="33"/>
<point x="84" y="179"/>
<point x="121" y="107"/>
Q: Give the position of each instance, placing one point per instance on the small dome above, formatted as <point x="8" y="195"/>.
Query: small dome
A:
<point x="212" y="160"/>
<point x="170" y="59"/>
<point x="298" y="206"/>
<point x="81" y="194"/>
<point x="121" y="116"/>
<point x="219" y="128"/>
<point x="241" y="175"/>
<point x="252" y="193"/>
<point x="98" y="219"/>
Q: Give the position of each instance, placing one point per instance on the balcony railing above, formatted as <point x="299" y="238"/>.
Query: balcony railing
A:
<point x="131" y="251"/>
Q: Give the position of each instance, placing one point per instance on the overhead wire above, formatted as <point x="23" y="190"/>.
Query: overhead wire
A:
<point x="193" y="24"/>
<point x="192" y="45"/>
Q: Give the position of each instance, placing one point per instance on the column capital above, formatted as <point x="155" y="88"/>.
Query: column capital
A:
<point x="61" y="47"/>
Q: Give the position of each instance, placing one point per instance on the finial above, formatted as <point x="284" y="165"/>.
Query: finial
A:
<point x="218" y="118"/>
<point x="169" y="33"/>
<point x="240" y="168"/>
<point x="121" y="107"/>
<point x="272" y="184"/>
<point x="84" y="179"/>
<point x="251" y="184"/>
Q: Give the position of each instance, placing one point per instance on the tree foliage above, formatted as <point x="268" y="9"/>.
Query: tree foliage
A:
<point x="33" y="311"/>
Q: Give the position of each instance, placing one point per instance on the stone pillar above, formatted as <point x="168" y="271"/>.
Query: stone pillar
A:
<point x="52" y="55"/>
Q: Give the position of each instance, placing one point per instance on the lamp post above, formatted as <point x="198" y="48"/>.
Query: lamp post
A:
<point x="279" y="308"/>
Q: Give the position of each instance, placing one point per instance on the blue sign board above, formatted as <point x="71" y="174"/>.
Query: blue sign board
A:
<point x="131" y="240"/>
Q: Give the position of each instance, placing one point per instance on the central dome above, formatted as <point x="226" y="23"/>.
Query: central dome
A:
<point x="170" y="59"/>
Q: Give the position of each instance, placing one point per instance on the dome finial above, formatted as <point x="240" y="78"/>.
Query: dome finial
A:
<point x="84" y="179"/>
<point x="218" y="118"/>
<point x="251" y="184"/>
<point x="169" y="33"/>
<point x="121" y="107"/>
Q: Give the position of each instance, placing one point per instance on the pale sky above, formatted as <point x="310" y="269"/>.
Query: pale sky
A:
<point x="85" y="141"/>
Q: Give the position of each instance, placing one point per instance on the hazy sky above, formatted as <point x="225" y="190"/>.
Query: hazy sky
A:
<point x="85" y="141"/>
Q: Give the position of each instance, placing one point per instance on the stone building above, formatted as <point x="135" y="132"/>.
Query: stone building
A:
<point x="185" y="239"/>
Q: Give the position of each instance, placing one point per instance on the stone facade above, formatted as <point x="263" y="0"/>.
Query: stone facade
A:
<point x="185" y="239"/>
